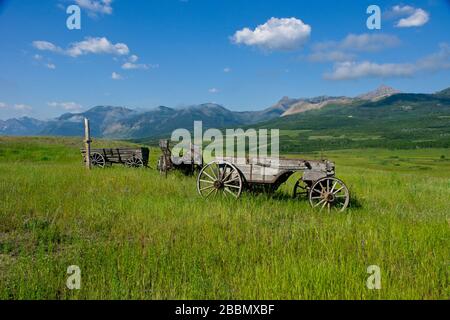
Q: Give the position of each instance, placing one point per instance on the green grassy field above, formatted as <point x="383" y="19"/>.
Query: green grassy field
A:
<point x="137" y="235"/>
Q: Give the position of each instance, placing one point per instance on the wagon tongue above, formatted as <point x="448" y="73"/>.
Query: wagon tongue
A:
<point x="330" y="197"/>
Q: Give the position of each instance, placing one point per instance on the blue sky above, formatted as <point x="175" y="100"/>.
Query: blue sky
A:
<point x="245" y="55"/>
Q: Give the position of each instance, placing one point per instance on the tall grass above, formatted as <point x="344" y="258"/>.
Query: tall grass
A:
<point x="137" y="235"/>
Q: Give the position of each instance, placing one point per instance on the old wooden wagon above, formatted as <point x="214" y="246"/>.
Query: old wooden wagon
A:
<point x="229" y="177"/>
<point x="188" y="161"/>
<point x="130" y="157"/>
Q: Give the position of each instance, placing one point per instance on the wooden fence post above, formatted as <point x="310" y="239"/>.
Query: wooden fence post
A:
<point x="87" y="141"/>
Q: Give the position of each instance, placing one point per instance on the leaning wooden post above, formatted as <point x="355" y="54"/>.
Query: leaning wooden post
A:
<point x="87" y="142"/>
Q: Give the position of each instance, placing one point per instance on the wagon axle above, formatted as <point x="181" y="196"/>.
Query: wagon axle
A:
<point x="218" y="184"/>
<point x="329" y="197"/>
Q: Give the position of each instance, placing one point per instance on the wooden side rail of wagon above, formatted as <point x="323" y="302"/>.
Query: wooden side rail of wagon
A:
<point x="130" y="157"/>
<point x="229" y="177"/>
<point x="189" y="161"/>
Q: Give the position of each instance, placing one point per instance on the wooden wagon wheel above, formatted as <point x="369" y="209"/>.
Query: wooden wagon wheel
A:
<point x="134" y="162"/>
<point x="328" y="193"/>
<point x="98" y="160"/>
<point x="219" y="178"/>
<point x="301" y="189"/>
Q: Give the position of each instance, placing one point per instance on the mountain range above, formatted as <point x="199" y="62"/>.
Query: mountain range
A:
<point x="125" y="123"/>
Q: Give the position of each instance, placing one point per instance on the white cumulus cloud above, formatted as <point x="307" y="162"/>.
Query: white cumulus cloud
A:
<point x="275" y="34"/>
<point x="68" y="106"/>
<point x="116" y="76"/>
<point x="213" y="90"/>
<point x="412" y="17"/>
<point x="132" y="64"/>
<point x="95" y="7"/>
<point x="97" y="46"/>
<point x="88" y="46"/>
<point x="323" y="56"/>
<point x="345" y="49"/>
<point x="368" y="42"/>
<point x="133" y="58"/>
<point x="436" y="61"/>
<point x="354" y="70"/>
<point x="22" y="107"/>
<point x="46" y="46"/>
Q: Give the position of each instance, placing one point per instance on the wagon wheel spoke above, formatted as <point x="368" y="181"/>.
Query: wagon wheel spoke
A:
<point x="334" y="186"/>
<point x="206" y="174"/>
<point x="232" y="186"/>
<point x="209" y="193"/>
<point x="231" y="192"/>
<point x="215" y="177"/>
<point x="205" y="182"/>
<point x="323" y="205"/>
<point x="300" y="189"/>
<point x="216" y="170"/>
<point x="338" y="206"/>
<point x="319" y="203"/>
<point x="206" y="188"/>
<point x="319" y="185"/>
<point x="235" y="179"/>
<point x="337" y="191"/>
<point x="341" y="196"/>
<point x="222" y="171"/>
<point x="228" y="176"/>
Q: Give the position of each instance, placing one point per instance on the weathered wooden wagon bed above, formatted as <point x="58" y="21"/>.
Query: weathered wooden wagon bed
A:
<point x="130" y="157"/>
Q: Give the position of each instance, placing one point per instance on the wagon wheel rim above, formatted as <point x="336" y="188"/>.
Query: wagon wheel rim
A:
<point x="300" y="189"/>
<point x="329" y="194"/>
<point x="97" y="160"/>
<point x="219" y="179"/>
<point x="134" y="162"/>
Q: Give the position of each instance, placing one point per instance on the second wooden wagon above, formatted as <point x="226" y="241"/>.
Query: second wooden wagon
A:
<point x="130" y="157"/>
